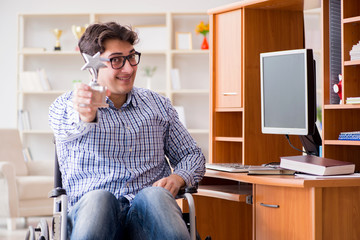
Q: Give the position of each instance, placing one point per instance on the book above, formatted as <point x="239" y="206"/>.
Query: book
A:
<point x="349" y="136"/>
<point x="269" y="170"/>
<point x="317" y="165"/>
<point x="353" y="100"/>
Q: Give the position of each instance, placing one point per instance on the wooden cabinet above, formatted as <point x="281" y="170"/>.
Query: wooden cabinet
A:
<point x="283" y="212"/>
<point x="36" y="50"/>
<point x="342" y="117"/>
<point x="327" y="211"/>
<point x="228" y="60"/>
<point x="284" y="207"/>
<point x="239" y="34"/>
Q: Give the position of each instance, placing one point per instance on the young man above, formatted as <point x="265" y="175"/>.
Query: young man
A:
<point x="112" y="160"/>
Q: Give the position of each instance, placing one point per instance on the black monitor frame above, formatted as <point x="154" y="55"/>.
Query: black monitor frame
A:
<point x="309" y="134"/>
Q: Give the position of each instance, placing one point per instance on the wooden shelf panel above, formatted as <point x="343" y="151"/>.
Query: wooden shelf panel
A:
<point x="342" y="106"/>
<point x="229" y="139"/>
<point x="236" y="193"/>
<point x="229" y="109"/>
<point x="351" y="20"/>
<point x="352" y="63"/>
<point x="342" y="142"/>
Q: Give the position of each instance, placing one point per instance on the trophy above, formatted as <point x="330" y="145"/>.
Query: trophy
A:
<point x="78" y="31"/>
<point x="93" y="63"/>
<point x="57" y="32"/>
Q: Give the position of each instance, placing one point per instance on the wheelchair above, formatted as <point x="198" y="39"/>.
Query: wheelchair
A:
<point x="58" y="228"/>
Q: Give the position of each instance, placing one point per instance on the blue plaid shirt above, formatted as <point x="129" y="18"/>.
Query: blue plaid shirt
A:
<point x="124" y="150"/>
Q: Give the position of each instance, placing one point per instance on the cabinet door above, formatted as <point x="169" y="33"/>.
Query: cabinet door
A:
<point x="283" y="213"/>
<point x="227" y="59"/>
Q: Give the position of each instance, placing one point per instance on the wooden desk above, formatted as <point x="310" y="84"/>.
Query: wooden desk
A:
<point x="284" y="207"/>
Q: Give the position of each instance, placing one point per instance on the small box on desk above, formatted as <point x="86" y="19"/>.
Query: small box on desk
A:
<point x="317" y="165"/>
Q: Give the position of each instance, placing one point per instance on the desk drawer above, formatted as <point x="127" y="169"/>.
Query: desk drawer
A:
<point x="283" y="213"/>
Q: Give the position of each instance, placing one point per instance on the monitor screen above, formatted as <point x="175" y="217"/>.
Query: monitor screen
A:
<point x="288" y="96"/>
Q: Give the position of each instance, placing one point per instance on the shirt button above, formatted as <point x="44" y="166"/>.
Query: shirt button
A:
<point x="127" y="184"/>
<point x="130" y="149"/>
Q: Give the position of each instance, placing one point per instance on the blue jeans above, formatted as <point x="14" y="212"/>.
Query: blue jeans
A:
<point x="154" y="214"/>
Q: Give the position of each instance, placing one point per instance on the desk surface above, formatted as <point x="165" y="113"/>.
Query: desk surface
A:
<point x="284" y="180"/>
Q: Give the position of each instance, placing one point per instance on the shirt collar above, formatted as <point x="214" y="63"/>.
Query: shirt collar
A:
<point x="131" y="99"/>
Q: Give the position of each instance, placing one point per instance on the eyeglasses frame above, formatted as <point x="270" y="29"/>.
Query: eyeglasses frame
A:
<point x="125" y="58"/>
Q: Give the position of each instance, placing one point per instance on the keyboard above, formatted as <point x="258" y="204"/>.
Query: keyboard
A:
<point x="228" y="167"/>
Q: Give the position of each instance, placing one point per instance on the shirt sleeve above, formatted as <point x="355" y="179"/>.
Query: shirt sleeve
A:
<point x="65" y="121"/>
<point x="185" y="156"/>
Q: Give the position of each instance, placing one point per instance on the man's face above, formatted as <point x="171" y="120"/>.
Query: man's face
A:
<point x="118" y="81"/>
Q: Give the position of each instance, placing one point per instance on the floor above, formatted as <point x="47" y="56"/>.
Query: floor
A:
<point x="21" y="229"/>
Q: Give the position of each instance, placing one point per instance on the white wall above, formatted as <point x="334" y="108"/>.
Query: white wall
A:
<point x="8" y="26"/>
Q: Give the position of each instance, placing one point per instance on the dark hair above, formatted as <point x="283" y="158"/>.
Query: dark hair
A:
<point x="92" y="41"/>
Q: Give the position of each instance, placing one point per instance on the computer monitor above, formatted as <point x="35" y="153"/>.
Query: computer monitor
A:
<point x="288" y="96"/>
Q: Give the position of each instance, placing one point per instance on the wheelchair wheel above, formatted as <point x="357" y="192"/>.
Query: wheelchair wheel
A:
<point x="30" y="234"/>
<point x="44" y="229"/>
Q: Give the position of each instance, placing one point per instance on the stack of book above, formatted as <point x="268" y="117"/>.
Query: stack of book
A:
<point x="350" y="136"/>
<point x="353" y="100"/>
<point x="355" y="52"/>
<point x="317" y="165"/>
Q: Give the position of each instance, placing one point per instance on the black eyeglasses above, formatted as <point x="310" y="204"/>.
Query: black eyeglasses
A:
<point x="119" y="61"/>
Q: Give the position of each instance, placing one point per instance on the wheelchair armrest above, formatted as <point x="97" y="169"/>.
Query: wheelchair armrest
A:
<point x="56" y="192"/>
<point x="183" y="190"/>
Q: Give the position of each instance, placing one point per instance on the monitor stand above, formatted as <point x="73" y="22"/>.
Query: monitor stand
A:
<point x="312" y="143"/>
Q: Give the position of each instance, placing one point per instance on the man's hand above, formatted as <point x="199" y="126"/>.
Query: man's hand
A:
<point x="82" y="102"/>
<point x="172" y="183"/>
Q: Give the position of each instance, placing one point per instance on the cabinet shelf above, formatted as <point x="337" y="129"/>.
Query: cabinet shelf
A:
<point x="352" y="62"/>
<point x="229" y="139"/>
<point x="351" y="20"/>
<point x="229" y="109"/>
<point x="342" y="106"/>
<point x="227" y="192"/>
<point x="341" y="142"/>
<point x="342" y="117"/>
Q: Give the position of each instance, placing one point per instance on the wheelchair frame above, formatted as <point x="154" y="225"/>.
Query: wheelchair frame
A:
<point x="59" y="219"/>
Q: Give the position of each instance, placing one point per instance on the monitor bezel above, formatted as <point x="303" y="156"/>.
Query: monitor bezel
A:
<point x="310" y="97"/>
